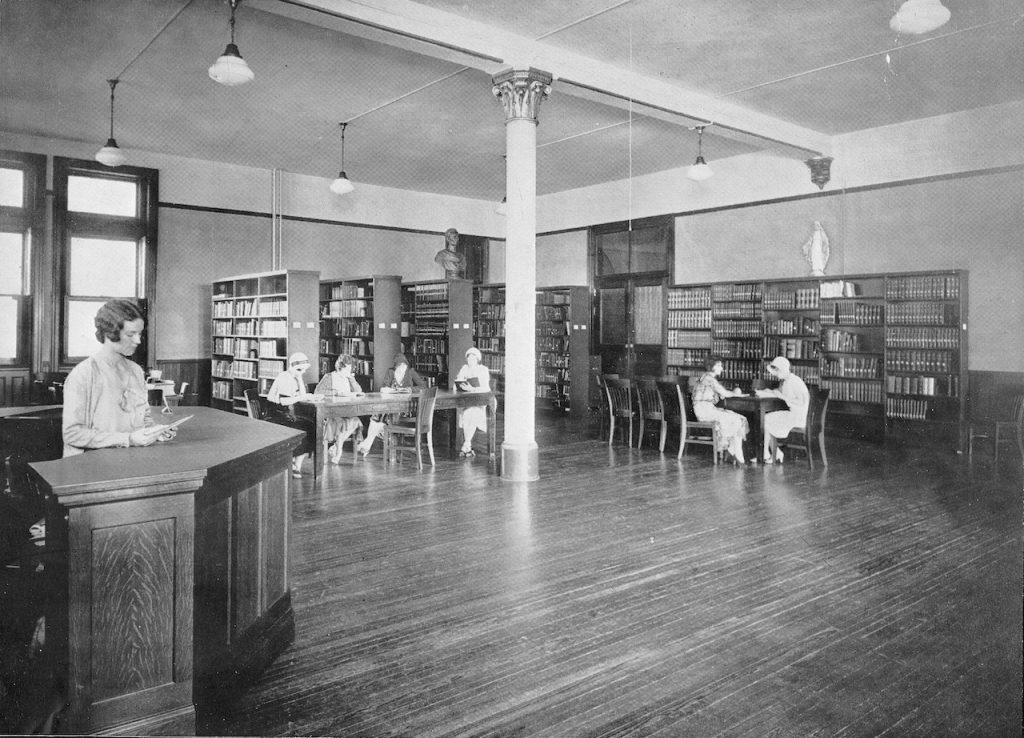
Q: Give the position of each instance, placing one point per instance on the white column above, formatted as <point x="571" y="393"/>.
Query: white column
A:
<point x="521" y="92"/>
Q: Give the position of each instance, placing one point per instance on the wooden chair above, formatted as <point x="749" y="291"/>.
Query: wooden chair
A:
<point x="693" y="430"/>
<point x="621" y="407"/>
<point x="1000" y="430"/>
<point x="651" y="408"/>
<point x="815" y="429"/>
<point x="254" y="404"/>
<point x="423" y="427"/>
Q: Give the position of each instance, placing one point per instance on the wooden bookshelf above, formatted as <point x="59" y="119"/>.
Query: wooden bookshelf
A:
<point x="437" y="326"/>
<point x="737" y="328"/>
<point x="258" y="320"/>
<point x="688" y="338"/>
<point x="489" y="329"/>
<point x="361" y="317"/>
<point x="563" y="348"/>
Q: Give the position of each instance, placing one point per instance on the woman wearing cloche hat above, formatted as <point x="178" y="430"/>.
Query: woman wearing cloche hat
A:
<point x="287" y="389"/>
<point x="793" y="390"/>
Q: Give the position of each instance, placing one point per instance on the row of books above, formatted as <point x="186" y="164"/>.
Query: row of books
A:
<point x="491" y="295"/>
<point x="736" y="310"/>
<point x="947" y="386"/>
<point x="804" y="298"/>
<point x="552" y="343"/>
<point x="903" y="360"/>
<point x="791" y="348"/>
<point x="351" y="346"/>
<point x="553" y="359"/>
<point x="245" y="348"/>
<point x="853" y="367"/>
<point x="490" y="311"/>
<point x="836" y="340"/>
<point x="485" y="328"/>
<point x="839" y="288"/>
<point x="741" y="370"/>
<point x="947" y="338"/>
<point x="551" y="329"/>
<point x="430" y="292"/>
<point x="553" y="298"/>
<point x="494" y="362"/>
<point x="346" y="327"/>
<point x="810" y="373"/>
<point x="223" y="345"/>
<point x="221" y="390"/>
<point x="690" y="319"/>
<point x="693" y="299"/>
<point x="350" y="291"/>
<point x="927" y="287"/>
<point x="346" y="309"/>
<point x="551" y="375"/>
<point x="270" y="368"/>
<point x="552" y="312"/>
<point x="275" y="308"/>
<point x="796" y="326"/>
<point x="842" y="390"/>
<point x="274" y="328"/>
<point x="493" y="344"/>
<point x="736" y="328"/>
<point x="238" y="369"/>
<point x="907" y="409"/>
<point x="428" y="345"/>
<point x="688" y="339"/>
<point x="924" y="313"/>
<point x="736" y="349"/>
<point x="726" y="292"/>
<point x="686" y="356"/>
<point x="852" y="312"/>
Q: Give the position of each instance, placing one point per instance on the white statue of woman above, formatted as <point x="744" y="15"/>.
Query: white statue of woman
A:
<point x="816" y="250"/>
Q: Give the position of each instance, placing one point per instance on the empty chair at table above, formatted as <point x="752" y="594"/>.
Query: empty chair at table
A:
<point x="651" y="409"/>
<point x="623" y="408"/>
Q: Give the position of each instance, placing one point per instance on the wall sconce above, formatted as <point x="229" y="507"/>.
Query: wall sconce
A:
<point x="110" y="154"/>
<point x="230" y="68"/>
<point x="342" y="185"/>
<point x="820" y="170"/>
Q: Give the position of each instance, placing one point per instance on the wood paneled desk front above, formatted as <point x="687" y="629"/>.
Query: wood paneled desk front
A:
<point x="175" y="581"/>
<point x="392" y="402"/>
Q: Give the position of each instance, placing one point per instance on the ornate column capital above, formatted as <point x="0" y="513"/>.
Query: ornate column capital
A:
<point x="521" y="92"/>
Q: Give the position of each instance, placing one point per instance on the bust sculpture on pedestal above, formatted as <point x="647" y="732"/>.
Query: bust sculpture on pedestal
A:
<point x="453" y="263"/>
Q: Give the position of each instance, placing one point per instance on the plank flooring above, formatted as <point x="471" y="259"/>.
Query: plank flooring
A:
<point x="630" y="594"/>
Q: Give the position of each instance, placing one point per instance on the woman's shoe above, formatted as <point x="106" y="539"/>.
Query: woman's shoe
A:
<point x="467" y="454"/>
<point x="767" y="460"/>
<point x="779" y="456"/>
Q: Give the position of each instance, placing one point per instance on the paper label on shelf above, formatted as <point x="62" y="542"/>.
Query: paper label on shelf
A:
<point x="394" y="326"/>
<point x="297" y="324"/>
<point x="311" y="324"/>
<point x="381" y="325"/>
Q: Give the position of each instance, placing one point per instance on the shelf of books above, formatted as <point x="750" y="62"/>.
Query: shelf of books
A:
<point x="437" y="327"/>
<point x="361" y="317"/>
<point x="489" y="329"/>
<point x="852" y="317"/>
<point x="688" y="340"/>
<point x="563" y="347"/>
<point x="925" y="342"/>
<point x="792" y="326"/>
<point x="737" y="331"/>
<point x="258" y="320"/>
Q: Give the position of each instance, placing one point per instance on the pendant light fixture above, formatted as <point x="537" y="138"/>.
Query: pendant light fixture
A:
<point x="342" y="185"/>
<point x="700" y="169"/>
<point x="230" y="68"/>
<point x="110" y="154"/>
<point x="919" y="16"/>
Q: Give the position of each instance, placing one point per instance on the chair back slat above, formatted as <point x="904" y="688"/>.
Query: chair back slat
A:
<point x="425" y="410"/>
<point x="620" y="395"/>
<point x="651" y="404"/>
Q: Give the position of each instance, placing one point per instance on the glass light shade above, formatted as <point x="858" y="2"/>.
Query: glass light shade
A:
<point x="342" y="185"/>
<point x="700" y="170"/>
<point x="919" y="16"/>
<point x="111" y="155"/>
<point x="502" y="207"/>
<point x="230" y="68"/>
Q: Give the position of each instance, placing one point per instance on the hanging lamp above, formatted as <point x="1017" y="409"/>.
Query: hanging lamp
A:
<point x="700" y="170"/>
<point x="919" y="16"/>
<point x="230" y="68"/>
<point x="342" y="185"/>
<point x="110" y="155"/>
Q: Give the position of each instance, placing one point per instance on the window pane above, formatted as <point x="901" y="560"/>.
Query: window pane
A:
<point x="9" y="328"/>
<point x="103" y="267"/>
<point x="12" y="187"/>
<point x="103" y="196"/>
<point x="11" y="258"/>
<point x="613" y="253"/>
<point x="649" y="250"/>
<point x="81" y="328"/>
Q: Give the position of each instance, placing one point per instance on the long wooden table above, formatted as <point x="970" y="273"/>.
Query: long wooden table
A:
<point x="326" y="408"/>
<point x="754" y="408"/>
<point x="175" y="581"/>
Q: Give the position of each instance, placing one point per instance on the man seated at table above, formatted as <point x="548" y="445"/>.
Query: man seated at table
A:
<point x="399" y="377"/>
<point x="794" y="392"/>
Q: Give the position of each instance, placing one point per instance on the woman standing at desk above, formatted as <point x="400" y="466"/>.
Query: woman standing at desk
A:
<point x="105" y="400"/>
<point x="339" y="383"/>
<point x="732" y="427"/>
<point x="472" y="377"/>
<point x="287" y="389"/>
<point x="400" y="378"/>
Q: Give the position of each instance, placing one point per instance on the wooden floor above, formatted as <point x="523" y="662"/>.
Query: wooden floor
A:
<point x="628" y="594"/>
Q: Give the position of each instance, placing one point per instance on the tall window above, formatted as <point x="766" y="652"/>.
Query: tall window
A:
<point x="106" y="230"/>
<point x="21" y="180"/>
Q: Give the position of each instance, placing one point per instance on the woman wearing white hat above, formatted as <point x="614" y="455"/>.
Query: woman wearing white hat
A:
<point x="794" y="392"/>
<point x="472" y="377"/>
<point x="287" y="389"/>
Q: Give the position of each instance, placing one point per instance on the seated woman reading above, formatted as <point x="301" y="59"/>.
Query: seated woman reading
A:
<point x="732" y="427"/>
<point x="399" y="377"/>
<point x="287" y="389"/>
<point x="339" y="383"/>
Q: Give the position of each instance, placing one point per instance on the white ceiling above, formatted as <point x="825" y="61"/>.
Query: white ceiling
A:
<point x="632" y="79"/>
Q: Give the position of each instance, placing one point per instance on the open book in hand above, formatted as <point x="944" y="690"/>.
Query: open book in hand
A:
<point x="464" y="385"/>
<point x="764" y="393"/>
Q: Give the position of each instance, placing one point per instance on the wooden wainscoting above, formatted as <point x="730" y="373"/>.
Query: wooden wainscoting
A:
<point x="194" y="371"/>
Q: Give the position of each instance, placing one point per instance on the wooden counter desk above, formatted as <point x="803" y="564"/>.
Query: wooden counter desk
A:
<point x="176" y="571"/>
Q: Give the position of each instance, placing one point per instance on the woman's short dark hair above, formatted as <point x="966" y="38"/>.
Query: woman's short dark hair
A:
<point x="110" y="318"/>
<point x="709" y="362"/>
<point x="343" y="360"/>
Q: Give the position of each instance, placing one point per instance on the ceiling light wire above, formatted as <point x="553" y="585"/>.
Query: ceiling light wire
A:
<point x="152" y="40"/>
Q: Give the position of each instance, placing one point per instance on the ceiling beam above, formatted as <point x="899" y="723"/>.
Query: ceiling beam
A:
<point x="417" y="28"/>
